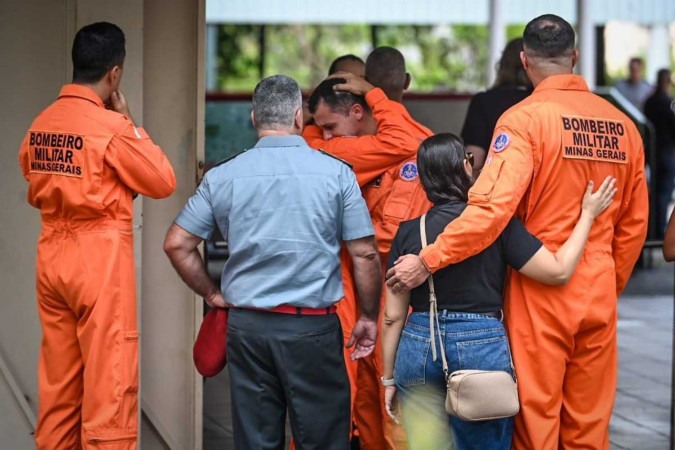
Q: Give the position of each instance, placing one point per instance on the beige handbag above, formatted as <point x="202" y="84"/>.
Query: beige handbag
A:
<point x="472" y="394"/>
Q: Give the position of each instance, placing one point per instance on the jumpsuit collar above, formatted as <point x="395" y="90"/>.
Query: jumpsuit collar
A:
<point x="569" y="82"/>
<point x="80" y="91"/>
<point x="290" y="140"/>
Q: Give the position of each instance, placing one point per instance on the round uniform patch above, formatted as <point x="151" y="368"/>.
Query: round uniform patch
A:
<point x="409" y="171"/>
<point x="501" y="142"/>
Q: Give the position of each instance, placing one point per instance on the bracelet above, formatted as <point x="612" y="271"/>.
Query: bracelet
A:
<point x="387" y="381"/>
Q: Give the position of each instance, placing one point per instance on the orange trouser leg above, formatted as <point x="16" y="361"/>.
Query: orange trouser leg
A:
<point x="59" y="375"/>
<point x="591" y="378"/>
<point x="377" y="431"/>
<point x="87" y="299"/>
<point x="347" y="313"/>
<point x="563" y="342"/>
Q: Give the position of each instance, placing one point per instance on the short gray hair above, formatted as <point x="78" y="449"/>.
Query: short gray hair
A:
<point x="275" y="101"/>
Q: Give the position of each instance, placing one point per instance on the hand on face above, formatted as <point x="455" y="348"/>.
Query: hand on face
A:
<point x="118" y="103"/>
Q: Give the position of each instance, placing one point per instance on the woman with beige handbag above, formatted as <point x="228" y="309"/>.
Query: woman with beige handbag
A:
<point x="459" y="314"/>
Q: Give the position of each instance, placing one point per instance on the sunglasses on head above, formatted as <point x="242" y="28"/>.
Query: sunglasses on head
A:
<point x="469" y="157"/>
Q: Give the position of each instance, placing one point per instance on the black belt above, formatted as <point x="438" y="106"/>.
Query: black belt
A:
<point x="495" y="315"/>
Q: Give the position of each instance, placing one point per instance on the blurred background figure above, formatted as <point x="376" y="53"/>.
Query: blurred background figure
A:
<point x="659" y="111"/>
<point x="348" y="63"/>
<point x="635" y="88"/>
<point x="385" y="68"/>
<point x="511" y="86"/>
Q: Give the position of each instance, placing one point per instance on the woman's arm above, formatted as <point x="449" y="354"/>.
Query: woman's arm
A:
<point x="395" y="313"/>
<point x="557" y="268"/>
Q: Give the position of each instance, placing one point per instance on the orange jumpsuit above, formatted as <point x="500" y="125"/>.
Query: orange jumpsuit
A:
<point x="386" y="169"/>
<point x="563" y="338"/>
<point x="83" y="164"/>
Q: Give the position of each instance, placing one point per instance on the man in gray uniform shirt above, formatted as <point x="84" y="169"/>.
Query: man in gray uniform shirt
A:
<point x="284" y="210"/>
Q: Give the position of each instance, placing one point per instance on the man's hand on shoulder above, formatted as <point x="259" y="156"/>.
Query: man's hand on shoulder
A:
<point x="355" y="84"/>
<point x="408" y="272"/>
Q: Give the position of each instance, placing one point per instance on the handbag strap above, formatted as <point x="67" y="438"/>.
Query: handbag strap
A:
<point x="433" y="307"/>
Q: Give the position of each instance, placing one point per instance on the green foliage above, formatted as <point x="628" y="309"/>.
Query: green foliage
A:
<point x="514" y="31"/>
<point x="439" y="58"/>
<point x="306" y="51"/>
<point x="238" y="57"/>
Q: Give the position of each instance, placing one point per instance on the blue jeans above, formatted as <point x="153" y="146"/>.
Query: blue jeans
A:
<point x="471" y="341"/>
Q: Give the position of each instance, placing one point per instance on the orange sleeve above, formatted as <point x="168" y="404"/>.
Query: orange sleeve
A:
<point x="630" y="229"/>
<point x="492" y="200"/>
<point x="140" y="164"/>
<point x="371" y="155"/>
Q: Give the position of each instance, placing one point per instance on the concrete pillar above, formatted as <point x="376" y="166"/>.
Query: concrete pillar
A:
<point x="586" y="42"/>
<point x="34" y="52"/>
<point x="173" y="100"/>
<point x="497" y="39"/>
<point x="658" y="51"/>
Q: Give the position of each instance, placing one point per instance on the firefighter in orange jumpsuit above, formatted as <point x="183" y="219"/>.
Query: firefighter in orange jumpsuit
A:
<point x="383" y="155"/>
<point x="544" y="150"/>
<point x="84" y="164"/>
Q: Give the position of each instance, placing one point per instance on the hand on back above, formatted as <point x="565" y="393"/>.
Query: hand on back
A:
<point x="594" y="203"/>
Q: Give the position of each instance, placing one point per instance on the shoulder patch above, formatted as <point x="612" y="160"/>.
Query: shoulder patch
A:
<point x="335" y="157"/>
<point x="501" y="142"/>
<point x="223" y="161"/>
<point x="408" y="171"/>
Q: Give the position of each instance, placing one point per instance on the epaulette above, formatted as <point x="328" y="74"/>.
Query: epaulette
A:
<point x="335" y="157"/>
<point x="223" y="161"/>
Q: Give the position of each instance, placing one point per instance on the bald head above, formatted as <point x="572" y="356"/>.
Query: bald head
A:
<point x="348" y="63"/>
<point x="385" y="68"/>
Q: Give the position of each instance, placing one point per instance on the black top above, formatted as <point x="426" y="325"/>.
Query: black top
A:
<point x="485" y="110"/>
<point x="658" y="109"/>
<point x="475" y="284"/>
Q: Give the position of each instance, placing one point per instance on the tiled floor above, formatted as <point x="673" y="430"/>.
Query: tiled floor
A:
<point x="641" y="419"/>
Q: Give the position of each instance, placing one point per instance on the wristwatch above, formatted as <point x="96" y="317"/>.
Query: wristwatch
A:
<point x="387" y="381"/>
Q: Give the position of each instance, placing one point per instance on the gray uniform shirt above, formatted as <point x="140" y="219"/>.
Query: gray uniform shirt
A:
<point x="284" y="210"/>
<point x="635" y="93"/>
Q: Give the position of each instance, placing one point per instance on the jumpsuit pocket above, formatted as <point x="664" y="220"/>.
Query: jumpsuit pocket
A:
<point x="481" y="192"/>
<point x="411" y="359"/>
<point x="129" y="400"/>
<point x="130" y="361"/>
<point x="484" y="354"/>
<point x="114" y="442"/>
<point x="400" y="200"/>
